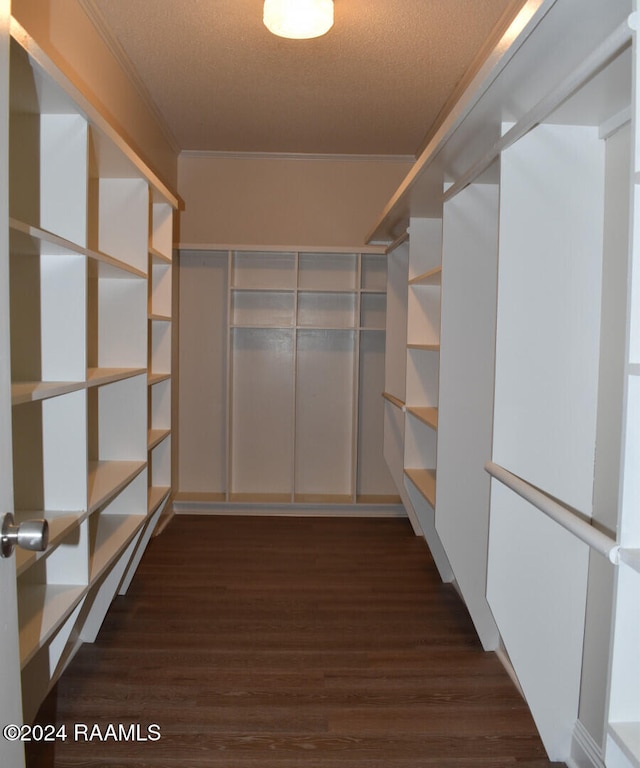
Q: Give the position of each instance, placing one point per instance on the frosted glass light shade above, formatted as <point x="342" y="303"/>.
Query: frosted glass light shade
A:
<point x="298" y="19"/>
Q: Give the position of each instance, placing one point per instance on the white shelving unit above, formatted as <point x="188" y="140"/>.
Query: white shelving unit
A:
<point x="533" y="179"/>
<point x="90" y="310"/>
<point x="304" y="368"/>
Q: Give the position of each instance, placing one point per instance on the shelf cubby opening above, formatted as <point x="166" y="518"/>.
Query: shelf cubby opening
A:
<point x="263" y="309"/>
<point x="50" y="589"/>
<point x="326" y="310"/>
<point x="160" y="290"/>
<point x="112" y="527"/>
<point x="117" y="321"/>
<point x="373" y="311"/>
<point x="118" y="219"/>
<point x="263" y="270"/>
<point x="327" y="271"/>
<point x="373" y="272"/>
<point x="50" y="450"/>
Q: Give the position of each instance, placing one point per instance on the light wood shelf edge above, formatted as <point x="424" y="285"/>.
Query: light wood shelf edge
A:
<point x="156" y="436"/>
<point x="36" y="233"/>
<point x="60" y="525"/>
<point x="393" y="400"/>
<point x="432" y="277"/>
<point x="426" y="415"/>
<point x="425" y="347"/>
<point x="107" y="478"/>
<point x="425" y="481"/>
<point x="156" y="495"/>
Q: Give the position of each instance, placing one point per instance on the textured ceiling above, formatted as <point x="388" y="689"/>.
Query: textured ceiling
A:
<point x="374" y="84"/>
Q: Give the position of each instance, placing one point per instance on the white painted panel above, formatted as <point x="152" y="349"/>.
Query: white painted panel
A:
<point x="423" y="382"/>
<point x="262" y="411"/>
<point x="425" y="245"/>
<point x="63" y="306"/>
<point x="64" y="176"/>
<point x="419" y="444"/>
<point x="536" y="586"/>
<point x="122" y="431"/>
<point x="124" y="220"/>
<point x="373" y="475"/>
<point x="122" y="323"/>
<point x="161" y="464"/>
<point x="426" y="518"/>
<point x="161" y="289"/>
<point x="266" y="270"/>
<point x="161" y="405"/>
<point x="327" y="271"/>
<point x="549" y="310"/>
<point x="424" y="314"/>
<point x="64" y="452"/>
<point x="324" y="412"/>
<point x="162" y="228"/>
<point x="160" y="346"/>
<point x="396" y="337"/>
<point x="394" y="419"/>
<point x="465" y="408"/>
<point x="202" y="442"/>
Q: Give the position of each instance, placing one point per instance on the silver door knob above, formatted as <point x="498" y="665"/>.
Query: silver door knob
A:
<point x="31" y="534"/>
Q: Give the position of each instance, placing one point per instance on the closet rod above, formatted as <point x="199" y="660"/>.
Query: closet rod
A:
<point x="597" y="540"/>
<point x="617" y="41"/>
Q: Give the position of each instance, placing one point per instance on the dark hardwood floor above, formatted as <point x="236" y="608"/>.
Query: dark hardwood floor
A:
<point x="289" y="643"/>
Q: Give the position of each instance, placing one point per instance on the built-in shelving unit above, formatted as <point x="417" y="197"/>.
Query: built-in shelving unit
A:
<point x="538" y="376"/>
<point x="304" y="369"/>
<point x="90" y="306"/>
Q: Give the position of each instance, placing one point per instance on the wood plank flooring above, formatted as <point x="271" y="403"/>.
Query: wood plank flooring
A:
<point x="258" y="642"/>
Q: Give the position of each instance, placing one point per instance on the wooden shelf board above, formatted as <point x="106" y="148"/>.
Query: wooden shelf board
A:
<point x="30" y="391"/>
<point x="393" y="400"/>
<point x="627" y="737"/>
<point x="60" y="525"/>
<point x="156" y="495"/>
<point x="109" y="539"/>
<point x="156" y="378"/>
<point x="42" y="610"/>
<point x="425" y="482"/>
<point x="269" y="327"/>
<point x="157" y="257"/>
<point x="98" y="376"/>
<point x="329" y="290"/>
<point x="156" y="436"/>
<point x="373" y="328"/>
<point x="428" y="416"/>
<point x="260" y="498"/>
<point x="108" y="478"/>
<point x="326" y="327"/>
<point x="425" y="347"/>
<point x="323" y="498"/>
<point x="376" y="498"/>
<point x="260" y="289"/>
<point x="161" y="318"/>
<point x="432" y="277"/>
<point x="200" y="497"/>
<point x="33" y="241"/>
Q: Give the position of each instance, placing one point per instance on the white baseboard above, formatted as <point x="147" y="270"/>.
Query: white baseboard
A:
<point x="585" y="752"/>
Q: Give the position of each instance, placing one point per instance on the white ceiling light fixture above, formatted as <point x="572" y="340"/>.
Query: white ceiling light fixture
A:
<point x="298" y="19"/>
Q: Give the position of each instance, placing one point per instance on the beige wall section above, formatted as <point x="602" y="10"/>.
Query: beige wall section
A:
<point x="283" y="200"/>
<point x="63" y="30"/>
